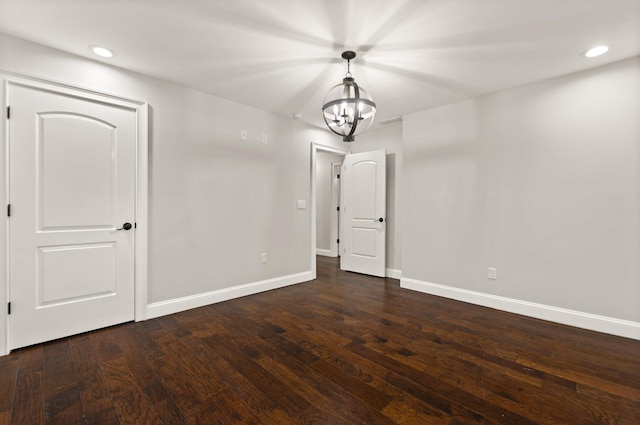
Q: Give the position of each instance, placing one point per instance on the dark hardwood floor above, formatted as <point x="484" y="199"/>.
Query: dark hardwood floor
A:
<point x="344" y="349"/>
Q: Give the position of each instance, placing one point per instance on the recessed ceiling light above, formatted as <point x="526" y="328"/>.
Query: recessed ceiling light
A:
<point x="596" y="51"/>
<point x="101" y="51"/>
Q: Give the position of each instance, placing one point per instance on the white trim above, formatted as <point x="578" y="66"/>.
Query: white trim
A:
<point x="177" y="305"/>
<point x="141" y="110"/>
<point x="4" y="260"/>
<point x="142" y="213"/>
<point x="48" y="82"/>
<point x="325" y="252"/>
<point x="394" y="273"/>
<point x="315" y="148"/>
<point x="610" y="325"/>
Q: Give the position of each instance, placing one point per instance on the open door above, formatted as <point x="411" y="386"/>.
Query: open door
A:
<point x="363" y="232"/>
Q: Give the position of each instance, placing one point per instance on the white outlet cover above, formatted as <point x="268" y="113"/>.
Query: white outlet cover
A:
<point x="265" y="139"/>
<point x="301" y="204"/>
<point x="492" y="273"/>
<point x="243" y="135"/>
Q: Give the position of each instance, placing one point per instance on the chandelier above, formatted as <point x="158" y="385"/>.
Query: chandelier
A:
<point x="348" y="110"/>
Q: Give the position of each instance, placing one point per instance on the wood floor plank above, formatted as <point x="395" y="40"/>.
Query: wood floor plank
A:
<point x="335" y="395"/>
<point x="408" y="410"/>
<point x="179" y="377"/>
<point x="130" y="403"/>
<point x="62" y="398"/>
<point x="378" y="400"/>
<point x="5" y="417"/>
<point x="97" y="405"/>
<point x="230" y="410"/>
<point x="280" y="393"/>
<point x="358" y="367"/>
<point x="139" y="351"/>
<point x="28" y="402"/>
<point x="8" y="378"/>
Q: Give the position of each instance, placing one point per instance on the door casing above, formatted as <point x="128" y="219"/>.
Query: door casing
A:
<point x="334" y="227"/>
<point x="141" y="109"/>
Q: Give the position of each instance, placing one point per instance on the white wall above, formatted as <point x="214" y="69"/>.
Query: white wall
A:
<point x="541" y="182"/>
<point x="324" y="210"/>
<point x="389" y="138"/>
<point x="216" y="202"/>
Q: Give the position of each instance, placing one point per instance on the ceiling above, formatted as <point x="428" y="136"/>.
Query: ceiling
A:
<point x="284" y="55"/>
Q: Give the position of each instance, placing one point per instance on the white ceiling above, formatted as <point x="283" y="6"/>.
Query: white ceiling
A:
<point x="284" y="55"/>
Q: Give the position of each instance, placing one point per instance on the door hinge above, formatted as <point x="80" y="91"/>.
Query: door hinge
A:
<point x="338" y="209"/>
<point x="8" y="308"/>
<point x="8" y="210"/>
<point x="8" y="112"/>
<point x="338" y="175"/>
<point x="338" y="241"/>
<point x="135" y="225"/>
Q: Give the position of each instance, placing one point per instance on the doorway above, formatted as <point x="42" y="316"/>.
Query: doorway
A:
<point x="362" y="209"/>
<point x="327" y="203"/>
<point x="317" y="150"/>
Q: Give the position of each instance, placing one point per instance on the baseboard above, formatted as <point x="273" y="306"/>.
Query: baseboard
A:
<point x="609" y="325"/>
<point x="325" y="252"/>
<point x="394" y="273"/>
<point x="177" y="305"/>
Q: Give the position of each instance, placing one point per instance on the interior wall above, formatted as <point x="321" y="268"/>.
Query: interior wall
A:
<point x="541" y="182"/>
<point x="324" y="183"/>
<point x="389" y="138"/>
<point x="216" y="202"/>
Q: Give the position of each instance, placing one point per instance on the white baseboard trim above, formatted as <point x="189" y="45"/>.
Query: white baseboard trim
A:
<point x="610" y="325"/>
<point x="394" y="273"/>
<point x="177" y="305"/>
<point x="324" y="252"/>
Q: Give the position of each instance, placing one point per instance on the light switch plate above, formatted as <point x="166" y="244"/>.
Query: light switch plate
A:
<point x="301" y="204"/>
<point x="492" y="273"/>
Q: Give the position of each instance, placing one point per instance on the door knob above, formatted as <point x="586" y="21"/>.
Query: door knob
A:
<point x="380" y="220"/>
<point x="125" y="226"/>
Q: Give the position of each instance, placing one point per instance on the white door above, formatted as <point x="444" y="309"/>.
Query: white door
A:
<point x="363" y="211"/>
<point x="71" y="186"/>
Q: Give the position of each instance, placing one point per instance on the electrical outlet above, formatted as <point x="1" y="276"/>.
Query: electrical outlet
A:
<point x="265" y="257"/>
<point x="244" y="135"/>
<point x="265" y="139"/>
<point x="492" y="273"/>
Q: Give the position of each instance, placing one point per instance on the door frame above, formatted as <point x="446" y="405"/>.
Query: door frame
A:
<point x="334" y="221"/>
<point x="141" y="111"/>
<point x="315" y="148"/>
